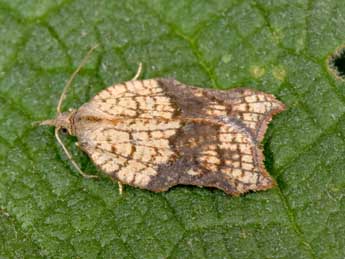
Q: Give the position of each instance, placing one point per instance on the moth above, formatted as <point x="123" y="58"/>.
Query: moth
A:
<point x="158" y="133"/>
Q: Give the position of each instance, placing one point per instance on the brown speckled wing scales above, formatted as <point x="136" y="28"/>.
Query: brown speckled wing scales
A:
<point x="125" y="130"/>
<point x="217" y="154"/>
<point x="129" y="150"/>
<point x="253" y="108"/>
<point x="154" y="134"/>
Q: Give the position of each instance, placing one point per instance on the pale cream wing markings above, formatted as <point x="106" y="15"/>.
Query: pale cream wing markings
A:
<point x="137" y="117"/>
<point x="254" y="108"/>
<point x="129" y="151"/>
<point x="135" y="99"/>
<point x="235" y="156"/>
<point x="242" y="158"/>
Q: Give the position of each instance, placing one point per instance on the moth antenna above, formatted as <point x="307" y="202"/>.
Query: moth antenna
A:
<point x="69" y="156"/>
<point x="140" y="67"/>
<point x="70" y="80"/>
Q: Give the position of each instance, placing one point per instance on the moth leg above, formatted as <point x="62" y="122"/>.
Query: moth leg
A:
<point x="120" y="187"/>
<point x="138" y="71"/>
<point x="69" y="156"/>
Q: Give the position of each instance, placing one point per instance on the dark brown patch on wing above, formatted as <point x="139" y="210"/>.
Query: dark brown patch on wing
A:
<point x="154" y="134"/>
<point x="254" y="108"/>
<point x="219" y="154"/>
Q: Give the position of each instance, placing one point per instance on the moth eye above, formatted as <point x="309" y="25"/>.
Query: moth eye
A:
<point x="64" y="130"/>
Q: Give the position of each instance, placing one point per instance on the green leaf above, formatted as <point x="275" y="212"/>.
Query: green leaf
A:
<point x="280" y="47"/>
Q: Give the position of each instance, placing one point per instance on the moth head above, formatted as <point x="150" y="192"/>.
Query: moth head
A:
<point x="63" y="122"/>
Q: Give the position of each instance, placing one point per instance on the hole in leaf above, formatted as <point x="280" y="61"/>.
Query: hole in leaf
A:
<point x="336" y="63"/>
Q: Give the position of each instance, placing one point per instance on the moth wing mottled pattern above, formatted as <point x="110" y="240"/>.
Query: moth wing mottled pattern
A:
<point x="133" y="155"/>
<point x="143" y="99"/>
<point x="214" y="153"/>
<point x="155" y="134"/>
<point x="128" y="147"/>
<point x="93" y="139"/>
<point x="254" y="108"/>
